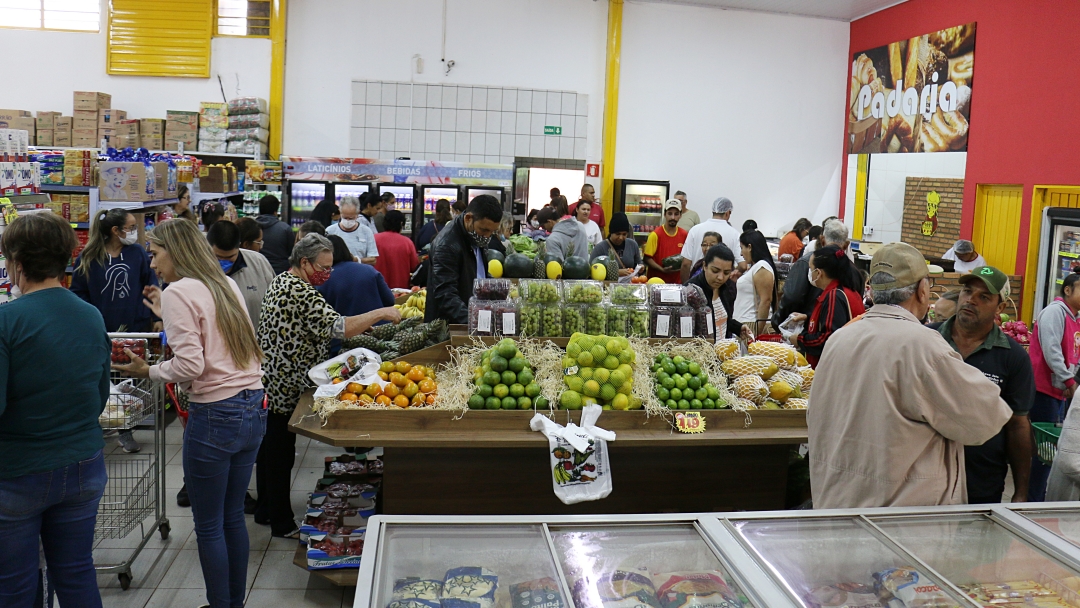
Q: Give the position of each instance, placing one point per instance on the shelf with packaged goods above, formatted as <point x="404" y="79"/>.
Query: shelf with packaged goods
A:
<point x="61" y="188"/>
<point x="198" y="197"/>
<point x="136" y="204"/>
<point x="38" y="198"/>
<point x="1068" y="254"/>
<point x="188" y="152"/>
<point x="651" y="213"/>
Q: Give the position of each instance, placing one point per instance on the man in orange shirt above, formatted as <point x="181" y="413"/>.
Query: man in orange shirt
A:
<point x="792" y="243"/>
<point x="398" y="257"/>
<point x="666" y="241"/>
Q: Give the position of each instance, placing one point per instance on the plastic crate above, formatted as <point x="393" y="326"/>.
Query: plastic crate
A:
<point x="1046" y="438"/>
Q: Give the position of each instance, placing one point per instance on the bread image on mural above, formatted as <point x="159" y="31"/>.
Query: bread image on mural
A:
<point x="913" y="95"/>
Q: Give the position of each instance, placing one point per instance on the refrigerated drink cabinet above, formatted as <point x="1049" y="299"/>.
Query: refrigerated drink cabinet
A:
<point x="1059" y="252"/>
<point x="404" y="195"/>
<point x="643" y="203"/>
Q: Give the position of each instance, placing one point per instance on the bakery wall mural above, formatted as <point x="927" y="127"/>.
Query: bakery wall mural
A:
<point x="913" y="95"/>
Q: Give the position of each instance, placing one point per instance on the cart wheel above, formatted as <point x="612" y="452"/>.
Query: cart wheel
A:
<point x="125" y="580"/>
<point x="164" y="529"/>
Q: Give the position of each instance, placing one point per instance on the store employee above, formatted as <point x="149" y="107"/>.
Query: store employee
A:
<point x="973" y="333"/>
<point x="964" y="257"/>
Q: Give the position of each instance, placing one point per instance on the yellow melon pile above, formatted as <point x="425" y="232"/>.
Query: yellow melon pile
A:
<point x="770" y="376"/>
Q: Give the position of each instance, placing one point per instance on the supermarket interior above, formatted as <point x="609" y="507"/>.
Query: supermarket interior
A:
<point x="545" y="304"/>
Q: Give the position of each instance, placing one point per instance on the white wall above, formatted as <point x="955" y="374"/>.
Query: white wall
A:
<point x="60" y="63"/>
<point x="537" y="44"/>
<point x="733" y="103"/>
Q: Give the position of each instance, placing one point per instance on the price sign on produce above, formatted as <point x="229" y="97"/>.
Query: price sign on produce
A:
<point x="690" y="422"/>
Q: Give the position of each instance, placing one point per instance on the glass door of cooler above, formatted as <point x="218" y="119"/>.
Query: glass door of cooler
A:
<point x="343" y="190"/>
<point x="643" y="204"/>
<point x="430" y="195"/>
<point x="303" y="196"/>
<point x="1060" y="252"/>
<point x="472" y="192"/>
<point x="404" y="195"/>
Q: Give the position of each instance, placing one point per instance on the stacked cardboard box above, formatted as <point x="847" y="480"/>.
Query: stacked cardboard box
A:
<point x="181" y="127"/>
<point x="86" y="120"/>
<point x="62" y="133"/>
<point x="127" y="135"/>
<point x="108" y="120"/>
<point x="46" y="128"/>
<point x="136" y="181"/>
<point x="152" y="133"/>
<point x="18" y="119"/>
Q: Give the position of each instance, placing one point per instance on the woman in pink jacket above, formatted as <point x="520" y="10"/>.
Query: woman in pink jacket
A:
<point x="217" y="362"/>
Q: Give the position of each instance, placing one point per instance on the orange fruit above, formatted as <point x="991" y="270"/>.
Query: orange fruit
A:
<point x="393" y="377"/>
<point x="427" y="385"/>
<point x="415" y="374"/>
<point x="383" y="400"/>
<point x="373" y="390"/>
<point x="337" y="381"/>
<point x="418" y="399"/>
<point x="430" y="399"/>
<point x="401" y="380"/>
<point x="384" y="377"/>
<point x="410" y="389"/>
<point x="386" y="366"/>
<point x="401" y="401"/>
<point x="366" y="399"/>
<point x="430" y="373"/>
<point x="347" y="396"/>
<point x="392" y="390"/>
<point x="354" y="387"/>
<point x="402" y="366"/>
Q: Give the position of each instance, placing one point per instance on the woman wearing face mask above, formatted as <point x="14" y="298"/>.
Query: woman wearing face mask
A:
<point x="295" y="331"/>
<point x="111" y="273"/>
<point x="715" y="281"/>
<point x="840" y="301"/>
<point x="619" y="246"/>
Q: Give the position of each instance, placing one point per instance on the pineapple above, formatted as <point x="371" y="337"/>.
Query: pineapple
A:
<point x="764" y="367"/>
<point x="367" y="341"/>
<point x="752" y="388"/>
<point x="410" y="341"/>
<point x="795" y="404"/>
<point x="783" y="355"/>
<point x="727" y="349"/>
<point x="807" y="374"/>
<point x="612" y="268"/>
<point x="539" y="265"/>
<point x="385" y="331"/>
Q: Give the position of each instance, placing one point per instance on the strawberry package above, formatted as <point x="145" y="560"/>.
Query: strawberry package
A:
<point x="138" y="346"/>
<point x="326" y="551"/>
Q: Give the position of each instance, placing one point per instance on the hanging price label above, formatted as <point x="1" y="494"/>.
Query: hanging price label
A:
<point x="690" y="422"/>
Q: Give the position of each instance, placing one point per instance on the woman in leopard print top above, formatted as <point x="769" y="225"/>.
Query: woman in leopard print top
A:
<point x="295" y="330"/>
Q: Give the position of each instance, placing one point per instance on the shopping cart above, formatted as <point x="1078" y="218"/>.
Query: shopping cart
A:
<point x="1046" y="438"/>
<point x="135" y="491"/>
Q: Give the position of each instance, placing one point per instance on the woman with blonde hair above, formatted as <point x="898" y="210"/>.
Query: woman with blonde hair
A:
<point x="216" y="361"/>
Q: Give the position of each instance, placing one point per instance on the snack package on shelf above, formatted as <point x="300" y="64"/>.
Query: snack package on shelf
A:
<point x="213" y="108"/>
<point x="253" y="134"/>
<point x="215" y="121"/>
<point x="249" y="121"/>
<point x="247" y="105"/>
<point x="255" y="148"/>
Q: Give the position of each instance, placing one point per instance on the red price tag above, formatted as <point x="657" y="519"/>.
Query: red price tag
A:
<point x="690" y="422"/>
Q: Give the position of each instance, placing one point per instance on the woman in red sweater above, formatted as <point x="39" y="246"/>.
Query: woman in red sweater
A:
<point x="397" y="253"/>
<point x="840" y="300"/>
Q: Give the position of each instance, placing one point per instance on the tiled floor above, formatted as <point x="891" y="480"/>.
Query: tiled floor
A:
<point x="167" y="574"/>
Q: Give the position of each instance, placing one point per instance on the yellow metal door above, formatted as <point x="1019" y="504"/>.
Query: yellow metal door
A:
<point x="996" y="232"/>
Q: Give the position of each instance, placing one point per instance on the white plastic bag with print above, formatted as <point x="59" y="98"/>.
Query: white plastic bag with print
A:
<point x="580" y="467"/>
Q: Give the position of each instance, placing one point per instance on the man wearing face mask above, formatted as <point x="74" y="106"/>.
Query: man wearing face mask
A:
<point x="457" y="258"/>
<point x="249" y="270"/>
<point x="353" y="229"/>
<point x="895" y="436"/>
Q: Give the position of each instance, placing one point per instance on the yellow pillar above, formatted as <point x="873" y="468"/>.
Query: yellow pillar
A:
<point x="858" y="214"/>
<point x="611" y="104"/>
<point x="277" y="74"/>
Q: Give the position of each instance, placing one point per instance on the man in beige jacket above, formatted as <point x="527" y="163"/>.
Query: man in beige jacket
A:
<point x="893" y="405"/>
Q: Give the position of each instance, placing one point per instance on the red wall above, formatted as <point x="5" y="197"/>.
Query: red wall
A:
<point x="1025" y="124"/>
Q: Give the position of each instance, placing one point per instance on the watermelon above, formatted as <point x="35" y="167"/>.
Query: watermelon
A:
<point x="494" y="254"/>
<point x="517" y="266"/>
<point x="575" y="268"/>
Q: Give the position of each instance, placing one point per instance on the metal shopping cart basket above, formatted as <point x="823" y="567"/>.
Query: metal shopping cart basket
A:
<point x="135" y="493"/>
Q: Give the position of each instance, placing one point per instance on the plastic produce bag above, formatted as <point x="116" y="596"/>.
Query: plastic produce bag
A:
<point x="790" y="328"/>
<point x="581" y="469"/>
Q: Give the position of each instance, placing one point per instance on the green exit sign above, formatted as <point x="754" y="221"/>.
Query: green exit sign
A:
<point x="552" y="130"/>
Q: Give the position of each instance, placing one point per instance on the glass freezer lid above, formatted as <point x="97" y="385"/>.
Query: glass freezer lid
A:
<point x="987" y="561"/>
<point x="1065" y="524"/>
<point x="831" y="561"/>
<point x="484" y="565"/>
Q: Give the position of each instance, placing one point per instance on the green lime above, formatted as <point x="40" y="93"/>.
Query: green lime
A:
<point x="625" y="388"/>
<point x="598" y="352"/>
<point x="607" y="392"/>
<point x="626" y="370"/>
<point x="656" y="368"/>
<point x="661" y="376"/>
<point x="574" y="383"/>
<point x="669" y="367"/>
<point x="662" y="393"/>
<point x="476" y="402"/>
<point x="684" y="404"/>
<point x="668" y="383"/>
<point x="524" y="403"/>
<point x="701" y="394"/>
<point x="694" y="383"/>
<point x="516" y="364"/>
<point x="606" y="408"/>
<point x="620" y="402"/>
<point x="586" y="373"/>
<point x="694" y="368"/>
<point x="613" y="347"/>
<point x="617" y="378"/>
<point x="611" y="362"/>
<point x="713" y="393"/>
<point x="677" y="359"/>
<point x="573" y="350"/>
<point x="509" y="377"/>
<point x="708" y="404"/>
<point x="509" y="403"/>
<point x="601" y="375"/>
<point x="484" y="390"/>
<point x="675" y="393"/>
<point x="506" y="348"/>
<point x="672" y="404"/>
<point x="591" y="388"/>
<point x="540" y="402"/>
<point x="659" y="358"/>
<point x="498" y="364"/>
<point x="626" y="356"/>
<point x="492" y="378"/>
<point x="479" y="382"/>
<point x="517" y="390"/>
<point x="680" y="367"/>
<point x="568" y="362"/>
<point x="493" y="403"/>
<point x="532" y="389"/>
<point x="584" y="341"/>
<point x="501" y="390"/>
<point x="695" y="404"/>
<point x="525" y="376"/>
<point x="585" y="359"/>
<point x="570" y="400"/>
<point x="680" y="382"/>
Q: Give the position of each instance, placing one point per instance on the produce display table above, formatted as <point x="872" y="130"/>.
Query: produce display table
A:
<point x="491" y="463"/>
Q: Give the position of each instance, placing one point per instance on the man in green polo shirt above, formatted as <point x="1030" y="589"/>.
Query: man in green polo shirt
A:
<point x="974" y="334"/>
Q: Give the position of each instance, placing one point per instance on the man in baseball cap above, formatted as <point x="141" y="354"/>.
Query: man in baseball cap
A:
<point x="973" y="332"/>
<point x="893" y="404"/>
<point x="664" y="242"/>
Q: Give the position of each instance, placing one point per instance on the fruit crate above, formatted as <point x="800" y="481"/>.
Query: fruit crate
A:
<point x="1046" y="438"/>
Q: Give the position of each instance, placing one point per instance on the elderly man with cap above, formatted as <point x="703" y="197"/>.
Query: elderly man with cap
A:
<point x="720" y="224"/>
<point x="893" y="403"/>
<point x="964" y="257"/>
<point x="974" y="334"/>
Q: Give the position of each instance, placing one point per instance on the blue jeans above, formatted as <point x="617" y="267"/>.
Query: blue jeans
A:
<point x="1044" y="409"/>
<point x="59" y="507"/>
<point x="220" y="445"/>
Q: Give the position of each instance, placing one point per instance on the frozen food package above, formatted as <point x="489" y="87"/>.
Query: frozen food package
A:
<point x="618" y="589"/>
<point x="413" y="602"/>
<point x="1010" y="593"/>
<point x="694" y="590"/>
<point x="417" y="588"/>
<point x="542" y="593"/>
<point x="469" y="587"/>
<point x="843" y="595"/>
<point x="910" y="587"/>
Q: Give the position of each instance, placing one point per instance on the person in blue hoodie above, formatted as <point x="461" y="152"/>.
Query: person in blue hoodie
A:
<point x="110" y="274"/>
